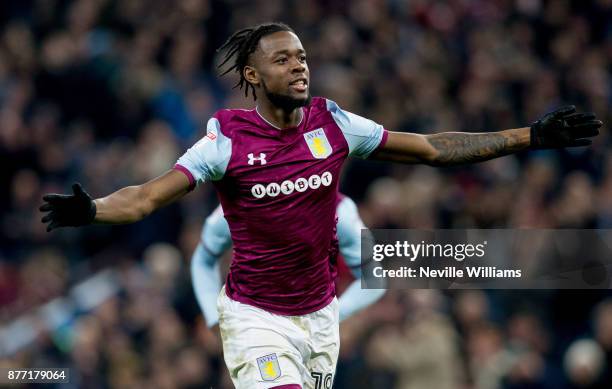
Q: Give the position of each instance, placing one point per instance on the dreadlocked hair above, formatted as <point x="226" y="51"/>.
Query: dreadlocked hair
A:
<point x="241" y="45"/>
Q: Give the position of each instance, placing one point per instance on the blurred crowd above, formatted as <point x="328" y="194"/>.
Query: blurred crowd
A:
<point x="110" y="92"/>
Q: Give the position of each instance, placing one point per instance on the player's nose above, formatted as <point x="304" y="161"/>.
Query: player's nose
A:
<point x="298" y="67"/>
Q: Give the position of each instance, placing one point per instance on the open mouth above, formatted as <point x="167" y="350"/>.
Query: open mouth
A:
<point x="299" y="85"/>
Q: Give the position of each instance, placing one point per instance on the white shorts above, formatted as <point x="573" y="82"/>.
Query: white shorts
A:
<point x="263" y="350"/>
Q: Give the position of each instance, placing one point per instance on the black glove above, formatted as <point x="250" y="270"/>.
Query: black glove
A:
<point x="564" y="128"/>
<point x="73" y="210"/>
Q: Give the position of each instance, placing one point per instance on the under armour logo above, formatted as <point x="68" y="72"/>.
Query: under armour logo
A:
<point x="261" y="158"/>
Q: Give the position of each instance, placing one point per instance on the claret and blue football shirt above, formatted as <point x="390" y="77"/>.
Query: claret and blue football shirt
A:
<point x="278" y="189"/>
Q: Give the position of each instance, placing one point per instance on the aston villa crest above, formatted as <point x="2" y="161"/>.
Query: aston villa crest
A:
<point x="318" y="144"/>
<point x="269" y="367"/>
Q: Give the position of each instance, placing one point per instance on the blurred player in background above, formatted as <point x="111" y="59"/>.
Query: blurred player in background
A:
<point x="216" y="239"/>
<point x="276" y="170"/>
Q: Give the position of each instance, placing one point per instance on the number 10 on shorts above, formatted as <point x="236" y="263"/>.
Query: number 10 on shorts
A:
<point x="320" y="381"/>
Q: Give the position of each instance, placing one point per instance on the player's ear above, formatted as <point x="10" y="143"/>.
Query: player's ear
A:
<point x="250" y="75"/>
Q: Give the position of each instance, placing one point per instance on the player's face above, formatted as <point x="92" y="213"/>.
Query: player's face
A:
<point x="283" y="73"/>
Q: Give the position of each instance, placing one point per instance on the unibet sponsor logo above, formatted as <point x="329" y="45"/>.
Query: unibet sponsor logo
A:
<point x="287" y="187"/>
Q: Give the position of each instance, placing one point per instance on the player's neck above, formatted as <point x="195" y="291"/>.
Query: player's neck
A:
<point x="278" y="117"/>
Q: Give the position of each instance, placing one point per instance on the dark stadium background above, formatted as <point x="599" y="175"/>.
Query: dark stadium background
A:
<point x="110" y="92"/>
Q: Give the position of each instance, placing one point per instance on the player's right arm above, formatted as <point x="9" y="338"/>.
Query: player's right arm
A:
<point x="127" y="205"/>
<point x="133" y="203"/>
<point x="205" y="161"/>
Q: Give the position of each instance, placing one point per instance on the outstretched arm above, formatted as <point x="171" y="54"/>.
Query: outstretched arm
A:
<point x="203" y="162"/>
<point x="133" y="203"/>
<point x="127" y="205"/>
<point x="452" y="148"/>
<point x="561" y="128"/>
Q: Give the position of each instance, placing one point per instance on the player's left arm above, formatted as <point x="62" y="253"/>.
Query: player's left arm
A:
<point x="354" y="299"/>
<point x="561" y="128"/>
<point x="451" y="148"/>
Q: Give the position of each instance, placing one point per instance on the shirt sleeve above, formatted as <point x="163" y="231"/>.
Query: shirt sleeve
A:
<point x="362" y="135"/>
<point x="207" y="160"/>
<point x="349" y="235"/>
<point x="354" y="298"/>
<point x="216" y="233"/>
<point x="205" y="272"/>
<point x="206" y="281"/>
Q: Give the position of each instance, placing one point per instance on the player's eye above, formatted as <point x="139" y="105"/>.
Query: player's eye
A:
<point x="302" y="58"/>
<point x="281" y="60"/>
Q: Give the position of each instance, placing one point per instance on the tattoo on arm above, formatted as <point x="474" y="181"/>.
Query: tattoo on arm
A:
<point x="456" y="148"/>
